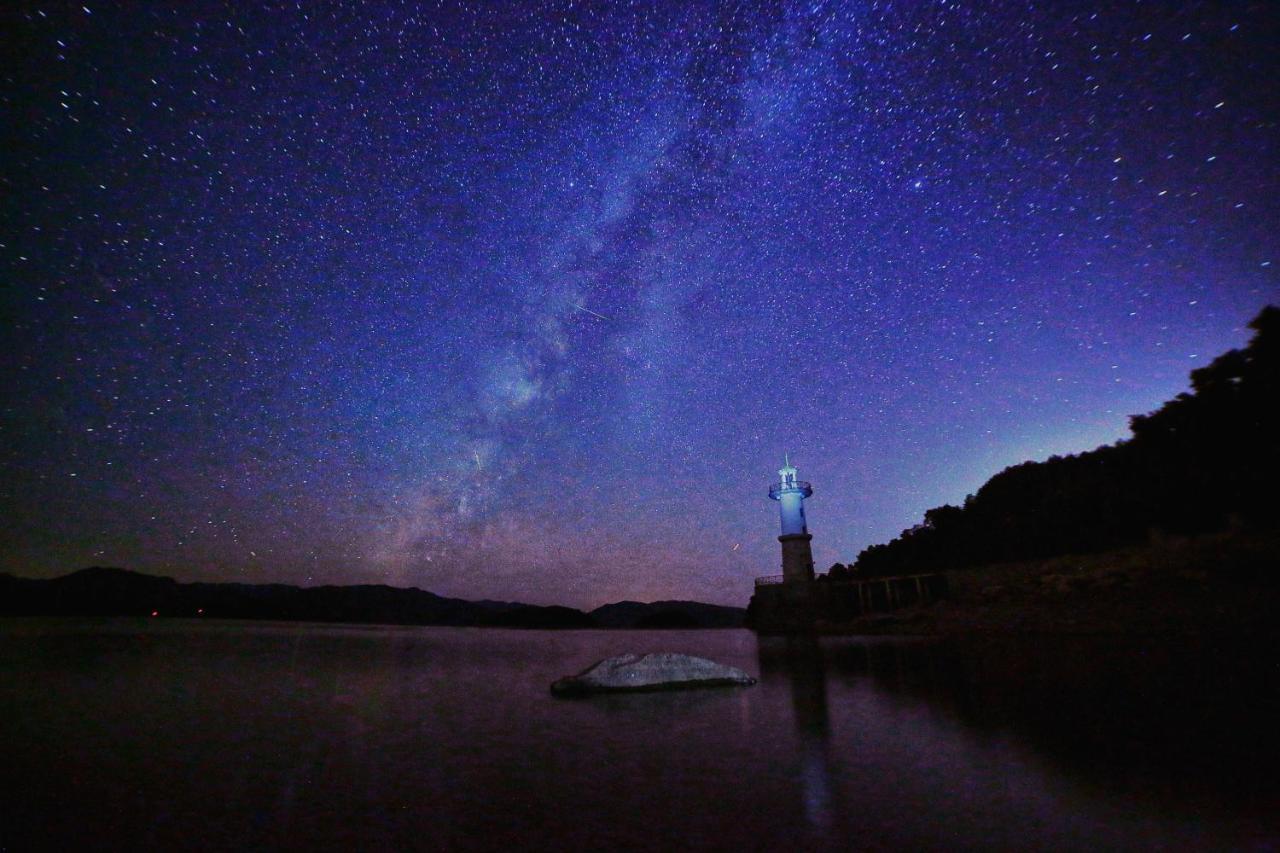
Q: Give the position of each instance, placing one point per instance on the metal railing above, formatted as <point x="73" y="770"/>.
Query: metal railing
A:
<point x="794" y="486"/>
<point x="774" y="580"/>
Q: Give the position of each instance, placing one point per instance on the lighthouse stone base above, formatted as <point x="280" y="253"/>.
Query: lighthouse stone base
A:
<point x="797" y="556"/>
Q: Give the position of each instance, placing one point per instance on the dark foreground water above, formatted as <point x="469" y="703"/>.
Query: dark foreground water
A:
<point x="187" y="735"/>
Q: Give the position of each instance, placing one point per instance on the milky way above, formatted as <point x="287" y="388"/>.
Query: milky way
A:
<point x="527" y="301"/>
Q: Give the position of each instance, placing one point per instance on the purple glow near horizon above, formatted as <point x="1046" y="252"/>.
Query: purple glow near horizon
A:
<point x="526" y="301"/>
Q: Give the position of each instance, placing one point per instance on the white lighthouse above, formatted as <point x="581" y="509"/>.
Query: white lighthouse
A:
<point x="790" y="493"/>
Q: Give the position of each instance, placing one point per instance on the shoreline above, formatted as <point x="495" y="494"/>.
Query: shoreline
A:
<point x="1220" y="584"/>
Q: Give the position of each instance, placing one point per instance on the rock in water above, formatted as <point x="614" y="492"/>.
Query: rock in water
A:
<point x="662" y="671"/>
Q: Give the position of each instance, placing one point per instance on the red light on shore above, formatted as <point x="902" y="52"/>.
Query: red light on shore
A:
<point x="199" y="610"/>
<point x="155" y="612"/>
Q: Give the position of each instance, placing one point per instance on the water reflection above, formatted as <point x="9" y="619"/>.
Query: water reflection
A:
<point x="800" y="661"/>
<point x="1171" y="727"/>
<point x="310" y="737"/>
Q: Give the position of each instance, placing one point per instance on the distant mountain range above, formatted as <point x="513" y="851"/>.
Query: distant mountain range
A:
<point x="119" y="592"/>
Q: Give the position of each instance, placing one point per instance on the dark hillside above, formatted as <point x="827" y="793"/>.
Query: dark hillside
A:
<point x="668" y="614"/>
<point x="1206" y="461"/>
<point x="120" y="592"/>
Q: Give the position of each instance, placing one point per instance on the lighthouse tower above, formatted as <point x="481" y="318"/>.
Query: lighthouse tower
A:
<point x="797" y="556"/>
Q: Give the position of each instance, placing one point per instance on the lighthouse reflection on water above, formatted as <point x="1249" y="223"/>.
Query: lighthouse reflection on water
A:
<point x="799" y="658"/>
<point x="800" y="661"/>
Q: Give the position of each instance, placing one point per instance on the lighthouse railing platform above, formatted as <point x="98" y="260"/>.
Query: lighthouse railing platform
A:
<point x="771" y="580"/>
<point x="793" y="486"/>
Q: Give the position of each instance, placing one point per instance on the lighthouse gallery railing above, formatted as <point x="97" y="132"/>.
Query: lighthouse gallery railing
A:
<point x="794" y="486"/>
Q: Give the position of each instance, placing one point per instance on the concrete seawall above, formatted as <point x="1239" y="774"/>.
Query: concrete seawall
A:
<point x="791" y="607"/>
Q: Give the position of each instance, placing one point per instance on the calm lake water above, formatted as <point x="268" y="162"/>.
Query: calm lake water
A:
<point x="188" y="735"/>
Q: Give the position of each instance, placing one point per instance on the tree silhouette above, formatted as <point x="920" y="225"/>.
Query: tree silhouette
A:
<point x="1205" y="460"/>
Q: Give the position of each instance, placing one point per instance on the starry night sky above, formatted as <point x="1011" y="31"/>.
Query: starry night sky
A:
<point x="527" y="301"/>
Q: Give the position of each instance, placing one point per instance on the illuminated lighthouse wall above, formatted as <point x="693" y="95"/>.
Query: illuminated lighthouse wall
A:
<point x="790" y="493"/>
<point x="791" y="502"/>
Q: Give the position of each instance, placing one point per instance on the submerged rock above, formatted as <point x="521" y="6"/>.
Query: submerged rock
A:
<point x="661" y="671"/>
